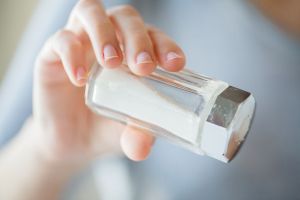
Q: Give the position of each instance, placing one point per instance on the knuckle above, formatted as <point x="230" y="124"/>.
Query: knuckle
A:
<point x="59" y="34"/>
<point x="140" y="36"/>
<point x="83" y="3"/>
<point x="91" y="11"/>
<point x="84" y="7"/>
<point x="65" y="42"/>
<point x="102" y="24"/>
<point x="68" y="47"/>
<point x="92" y="15"/>
<point x="127" y="10"/>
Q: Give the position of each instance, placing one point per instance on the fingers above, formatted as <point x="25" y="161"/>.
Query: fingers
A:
<point x="168" y="53"/>
<point x="91" y="32"/>
<point x="136" y="143"/>
<point x="143" y="46"/>
<point x="138" y="46"/>
<point x="66" y="48"/>
<point x="97" y="25"/>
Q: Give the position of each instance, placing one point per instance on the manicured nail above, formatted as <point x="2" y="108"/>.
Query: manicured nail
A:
<point x="172" y="56"/>
<point x="109" y="52"/>
<point x="143" y="57"/>
<point x="81" y="74"/>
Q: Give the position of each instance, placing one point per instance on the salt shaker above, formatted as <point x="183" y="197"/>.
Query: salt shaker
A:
<point x="204" y="115"/>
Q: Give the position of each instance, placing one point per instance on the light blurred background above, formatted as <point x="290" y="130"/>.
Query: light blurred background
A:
<point x="251" y="52"/>
<point x="17" y="13"/>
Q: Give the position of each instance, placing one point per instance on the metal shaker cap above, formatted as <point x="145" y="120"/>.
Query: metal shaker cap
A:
<point x="227" y="124"/>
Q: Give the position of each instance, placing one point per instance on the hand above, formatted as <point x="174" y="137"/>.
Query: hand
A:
<point x="65" y="130"/>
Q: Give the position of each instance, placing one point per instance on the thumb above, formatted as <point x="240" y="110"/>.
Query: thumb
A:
<point x="136" y="143"/>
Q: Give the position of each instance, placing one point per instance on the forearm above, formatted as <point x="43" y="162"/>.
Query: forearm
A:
<point x="26" y="174"/>
<point x="284" y="13"/>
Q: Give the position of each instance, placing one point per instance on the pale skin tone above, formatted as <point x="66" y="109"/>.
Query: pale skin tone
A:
<point x="63" y="135"/>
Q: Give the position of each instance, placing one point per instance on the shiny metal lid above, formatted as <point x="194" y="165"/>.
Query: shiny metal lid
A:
<point x="227" y="124"/>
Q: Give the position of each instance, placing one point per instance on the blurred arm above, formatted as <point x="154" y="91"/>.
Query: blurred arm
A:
<point x="16" y="87"/>
<point x="285" y="13"/>
<point x="26" y="175"/>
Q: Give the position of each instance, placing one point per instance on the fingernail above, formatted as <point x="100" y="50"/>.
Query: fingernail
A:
<point x="143" y="57"/>
<point x="172" y="56"/>
<point x="81" y="74"/>
<point x="109" y="52"/>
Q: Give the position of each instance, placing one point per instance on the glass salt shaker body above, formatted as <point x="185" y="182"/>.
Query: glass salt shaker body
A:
<point x="204" y="115"/>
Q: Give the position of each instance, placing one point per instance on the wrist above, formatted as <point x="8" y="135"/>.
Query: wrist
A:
<point x="26" y="169"/>
<point x="31" y="139"/>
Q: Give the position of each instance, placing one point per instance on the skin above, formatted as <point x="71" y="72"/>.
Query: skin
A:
<point x="285" y="13"/>
<point x="63" y="135"/>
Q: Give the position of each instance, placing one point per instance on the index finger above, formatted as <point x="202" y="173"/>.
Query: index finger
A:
<point x="92" y="16"/>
